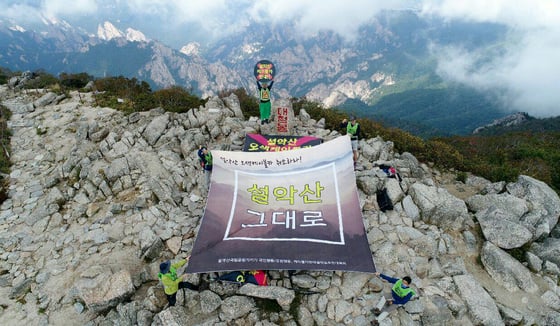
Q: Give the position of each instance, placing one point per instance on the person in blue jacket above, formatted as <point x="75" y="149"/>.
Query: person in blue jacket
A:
<point x="401" y="290"/>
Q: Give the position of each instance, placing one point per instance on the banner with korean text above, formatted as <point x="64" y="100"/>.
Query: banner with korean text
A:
<point x="295" y="209"/>
<point x="277" y="143"/>
<point x="264" y="71"/>
<point x="282" y="120"/>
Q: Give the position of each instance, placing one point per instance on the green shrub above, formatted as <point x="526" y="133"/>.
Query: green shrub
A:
<point x="42" y="80"/>
<point x="176" y="99"/>
<point x="127" y="95"/>
<point x="75" y="81"/>
<point x="461" y="177"/>
<point x="122" y="87"/>
<point x="5" y="75"/>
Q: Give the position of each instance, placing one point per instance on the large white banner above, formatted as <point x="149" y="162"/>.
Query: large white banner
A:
<point x="287" y="210"/>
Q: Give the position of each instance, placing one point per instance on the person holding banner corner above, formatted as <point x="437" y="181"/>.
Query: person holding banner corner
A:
<point x="205" y="159"/>
<point x="173" y="282"/>
<point x="353" y="130"/>
<point x="401" y="291"/>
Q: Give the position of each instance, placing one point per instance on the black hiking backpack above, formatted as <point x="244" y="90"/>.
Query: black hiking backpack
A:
<point x="383" y="200"/>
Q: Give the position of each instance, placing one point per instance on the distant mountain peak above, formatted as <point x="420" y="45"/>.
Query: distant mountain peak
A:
<point x="191" y="49"/>
<point x="49" y="20"/>
<point x="507" y="121"/>
<point x="251" y="48"/>
<point x="133" y="35"/>
<point x="54" y="21"/>
<point x="107" y="31"/>
<point x="17" y="28"/>
<point x="391" y="72"/>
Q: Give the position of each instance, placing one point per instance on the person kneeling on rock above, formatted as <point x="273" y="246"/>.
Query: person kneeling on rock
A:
<point x="401" y="291"/>
<point x="171" y="282"/>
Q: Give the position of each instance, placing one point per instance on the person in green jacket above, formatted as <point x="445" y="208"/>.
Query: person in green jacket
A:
<point x="352" y="128"/>
<point x="264" y="100"/>
<point x="171" y="282"/>
<point x="401" y="290"/>
<point x="205" y="159"/>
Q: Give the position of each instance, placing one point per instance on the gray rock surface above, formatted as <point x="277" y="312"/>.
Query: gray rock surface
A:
<point x="549" y="249"/>
<point x="96" y="199"/>
<point x="544" y="201"/>
<point x="506" y="270"/>
<point x="283" y="296"/>
<point x="437" y="206"/>
<point x="481" y="305"/>
<point x="499" y="229"/>
<point x="113" y="290"/>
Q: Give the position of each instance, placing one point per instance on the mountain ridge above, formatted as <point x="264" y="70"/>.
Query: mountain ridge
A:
<point x="390" y="55"/>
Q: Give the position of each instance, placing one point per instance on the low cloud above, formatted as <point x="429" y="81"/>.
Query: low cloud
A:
<point x="58" y="8"/>
<point x="525" y="72"/>
<point x="31" y="11"/>
<point x="21" y="13"/>
<point x="312" y="17"/>
<point x="219" y="18"/>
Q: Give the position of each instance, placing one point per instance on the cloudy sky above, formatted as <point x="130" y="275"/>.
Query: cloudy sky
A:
<point x="527" y="73"/>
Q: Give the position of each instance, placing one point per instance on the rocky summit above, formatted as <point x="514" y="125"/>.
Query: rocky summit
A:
<point x="96" y="199"/>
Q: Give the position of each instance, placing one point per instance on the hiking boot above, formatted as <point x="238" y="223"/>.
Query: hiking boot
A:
<point x="376" y="311"/>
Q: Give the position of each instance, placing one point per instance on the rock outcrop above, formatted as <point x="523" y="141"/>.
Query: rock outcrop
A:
<point x="97" y="198"/>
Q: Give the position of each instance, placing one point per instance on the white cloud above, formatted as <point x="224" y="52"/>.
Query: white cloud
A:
<point x="20" y="12"/>
<point x="223" y="16"/>
<point x="527" y="72"/>
<point x="30" y="11"/>
<point x="310" y="17"/>
<point x="58" y="8"/>
<point x="180" y="11"/>
<point x="534" y="76"/>
<point x="518" y="13"/>
<point x="203" y="18"/>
